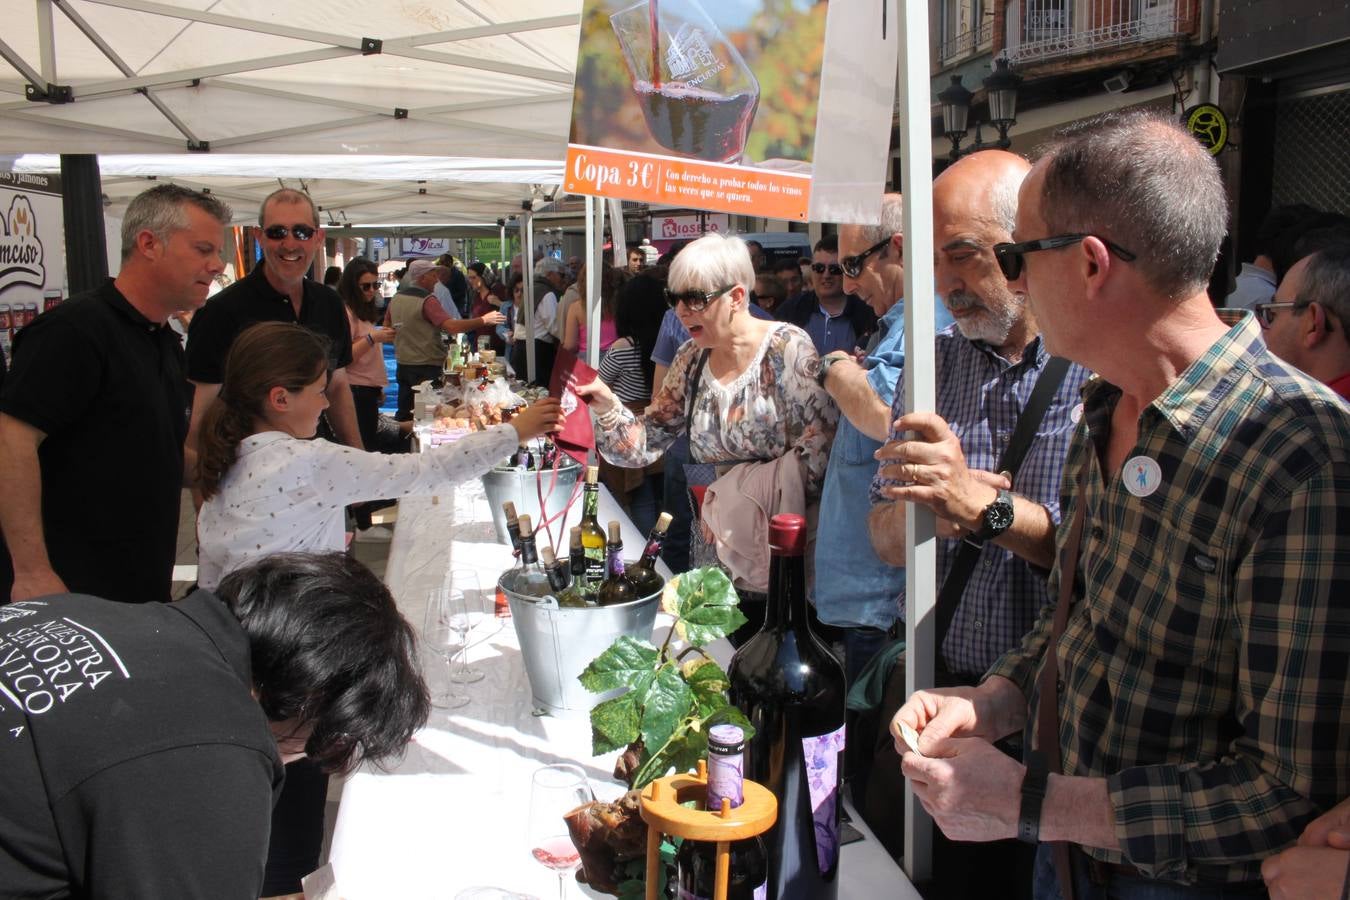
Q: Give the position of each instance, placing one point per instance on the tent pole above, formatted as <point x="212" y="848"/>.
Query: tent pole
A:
<point x="595" y="263"/>
<point x="529" y="297"/>
<point x="920" y="543"/>
<point x="82" y="208"/>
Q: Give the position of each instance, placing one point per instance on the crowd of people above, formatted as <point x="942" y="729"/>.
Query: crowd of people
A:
<point x="1142" y="630"/>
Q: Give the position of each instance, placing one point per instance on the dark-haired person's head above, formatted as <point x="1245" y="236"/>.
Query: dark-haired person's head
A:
<point x="359" y="286"/>
<point x="331" y="276"/>
<point x="642" y="306"/>
<point x="790" y="274"/>
<point x="1292" y="244"/>
<point x="265" y="357"/>
<point x="331" y="655"/>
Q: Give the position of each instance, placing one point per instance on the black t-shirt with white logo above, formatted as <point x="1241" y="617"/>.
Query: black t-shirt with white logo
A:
<point x="134" y="762"/>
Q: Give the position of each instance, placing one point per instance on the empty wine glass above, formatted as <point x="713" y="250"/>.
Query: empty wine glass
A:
<point x="442" y="641"/>
<point x="554" y="792"/>
<point x="695" y="90"/>
<point x="466" y="611"/>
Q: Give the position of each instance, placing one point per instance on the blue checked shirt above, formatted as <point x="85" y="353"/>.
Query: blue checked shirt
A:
<point x="1203" y="671"/>
<point x="981" y="395"/>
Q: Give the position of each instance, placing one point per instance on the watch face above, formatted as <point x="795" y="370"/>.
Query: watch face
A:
<point x="998" y="516"/>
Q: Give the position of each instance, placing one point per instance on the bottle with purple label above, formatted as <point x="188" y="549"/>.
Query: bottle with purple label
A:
<point x="791" y="688"/>
<point x="696" y="863"/>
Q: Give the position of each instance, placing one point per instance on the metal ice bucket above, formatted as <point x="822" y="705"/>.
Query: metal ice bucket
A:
<point x="503" y="483"/>
<point x="557" y="643"/>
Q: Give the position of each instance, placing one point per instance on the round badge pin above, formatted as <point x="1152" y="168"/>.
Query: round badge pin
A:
<point x="1142" y="476"/>
<point x="1076" y="414"/>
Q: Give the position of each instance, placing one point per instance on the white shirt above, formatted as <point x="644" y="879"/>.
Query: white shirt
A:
<point x="283" y="494"/>
<point x="446" y="299"/>
<point x="545" y="310"/>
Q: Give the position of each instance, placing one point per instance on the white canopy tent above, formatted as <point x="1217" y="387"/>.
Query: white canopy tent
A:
<point x="474" y="94"/>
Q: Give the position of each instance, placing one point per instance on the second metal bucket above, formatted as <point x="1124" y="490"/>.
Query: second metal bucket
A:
<point x="557" y="643"/>
<point x="504" y="483"/>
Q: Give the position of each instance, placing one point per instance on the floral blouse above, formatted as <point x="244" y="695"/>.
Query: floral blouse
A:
<point x="772" y="407"/>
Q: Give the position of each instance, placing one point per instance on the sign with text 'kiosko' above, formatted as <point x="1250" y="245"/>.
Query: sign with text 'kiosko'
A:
<point x="762" y="108"/>
<point x="673" y="228"/>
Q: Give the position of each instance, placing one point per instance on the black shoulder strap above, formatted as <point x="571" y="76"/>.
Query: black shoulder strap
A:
<point x="1047" y="385"/>
<point x="693" y="380"/>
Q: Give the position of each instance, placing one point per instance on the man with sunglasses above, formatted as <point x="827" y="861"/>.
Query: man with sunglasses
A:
<point x="1187" y="693"/>
<point x="833" y="319"/>
<point x="94" y="412"/>
<point x="986" y="369"/>
<point x="277" y="290"/>
<point x="1305" y="323"/>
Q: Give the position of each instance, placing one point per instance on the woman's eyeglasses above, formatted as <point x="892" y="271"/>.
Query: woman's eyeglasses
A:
<point x="367" y="285"/>
<point x="696" y="301"/>
<point x="279" y="232"/>
<point x="1011" y="257"/>
<point x="834" y="268"/>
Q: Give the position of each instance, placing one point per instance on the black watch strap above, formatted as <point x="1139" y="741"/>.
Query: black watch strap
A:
<point x="1033" y="796"/>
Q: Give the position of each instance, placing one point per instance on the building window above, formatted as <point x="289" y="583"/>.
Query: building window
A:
<point x="967" y="26"/>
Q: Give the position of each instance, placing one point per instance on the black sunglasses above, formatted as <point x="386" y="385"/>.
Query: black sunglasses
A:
<point x="366" y="285"/>
<point x="279" y="232"/>
<point x="853" y="265"/>
<point x="697" y="301"/>
<point x="1010" y="256"/>
<point x="835" y="269"/>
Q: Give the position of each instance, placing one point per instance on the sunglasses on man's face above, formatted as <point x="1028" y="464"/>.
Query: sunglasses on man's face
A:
<point x="279" y="232"/>
<point x="695" y="301"/>
<point x="852" y="266"/>
<point x="1011" y="257"/>
<point x="834" y="269"/>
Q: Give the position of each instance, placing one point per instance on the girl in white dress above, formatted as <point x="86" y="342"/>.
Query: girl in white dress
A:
<point x="269" y="488"/>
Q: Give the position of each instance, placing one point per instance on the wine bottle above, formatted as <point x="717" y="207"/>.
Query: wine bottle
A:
<point x="792" y="690"/>
<point x="643" y="573"/>
<point x="522" y="458"/>
<point x="512" y="526"/>
<point x="560" y="580"/>
<point x="696" y="861"/>
<point x="576" y="554"/>
<point x="549" y="456"/>
<point x="617" y="588"/>
<point x="592" y="537"/>
<point x="531" y="579"/>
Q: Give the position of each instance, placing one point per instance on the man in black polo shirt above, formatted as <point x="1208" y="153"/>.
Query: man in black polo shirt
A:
<point x="275" y="291"/>
<point x="93" y="414"/>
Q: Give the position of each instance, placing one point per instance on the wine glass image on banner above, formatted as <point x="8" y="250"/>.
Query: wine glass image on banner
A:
<point x="720" y="83"/>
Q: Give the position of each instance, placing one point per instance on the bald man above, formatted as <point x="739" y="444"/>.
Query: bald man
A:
<point x="986" y="368"/>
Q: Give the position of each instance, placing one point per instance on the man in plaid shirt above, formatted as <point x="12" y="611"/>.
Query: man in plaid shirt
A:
<point x="1201" y="702"/>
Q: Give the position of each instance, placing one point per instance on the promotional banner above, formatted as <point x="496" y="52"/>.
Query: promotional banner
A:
<point x="412" y="248"/>
<point x="772" y="108"/>
<point x="32" y="249"/>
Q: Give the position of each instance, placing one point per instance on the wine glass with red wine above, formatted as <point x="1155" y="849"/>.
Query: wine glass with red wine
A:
<point x="695" y="90"/>
<point x="554" y="792"/>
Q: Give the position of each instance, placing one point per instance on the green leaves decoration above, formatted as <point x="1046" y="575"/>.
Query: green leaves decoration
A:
<point x="667" y="705"/>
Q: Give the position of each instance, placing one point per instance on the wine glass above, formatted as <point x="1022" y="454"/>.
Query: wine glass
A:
<point x="695" y="90"/>
<point x="440" y="639"/>
<point x="554" y="792"/>
<point x="466" y="610"/>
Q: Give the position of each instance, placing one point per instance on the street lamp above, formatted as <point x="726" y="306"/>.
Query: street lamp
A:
<point x="1001" y="90"/>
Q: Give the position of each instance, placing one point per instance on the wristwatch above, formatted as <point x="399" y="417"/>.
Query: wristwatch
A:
<point x="825" y="363"/>
<point x="998" y="517"/>
<point x="1033" y="795"/>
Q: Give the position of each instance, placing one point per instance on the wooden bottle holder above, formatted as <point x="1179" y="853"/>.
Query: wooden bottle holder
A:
<point x="664" y="813"/>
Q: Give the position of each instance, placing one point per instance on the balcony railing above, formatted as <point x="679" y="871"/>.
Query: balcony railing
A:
<point x="967" y="41"/>
<point x="1046" y="29"/>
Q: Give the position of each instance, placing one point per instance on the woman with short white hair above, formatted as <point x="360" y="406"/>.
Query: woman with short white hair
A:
<point x="744" y="388"/>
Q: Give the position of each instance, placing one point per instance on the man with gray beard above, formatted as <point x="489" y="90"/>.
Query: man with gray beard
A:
<point x="987" y="366"/>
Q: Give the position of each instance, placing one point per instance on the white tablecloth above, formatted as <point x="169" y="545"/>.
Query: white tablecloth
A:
<point x="451" y="814"/>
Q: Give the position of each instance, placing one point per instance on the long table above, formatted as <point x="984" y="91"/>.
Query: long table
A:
<point x="452" y="813"/>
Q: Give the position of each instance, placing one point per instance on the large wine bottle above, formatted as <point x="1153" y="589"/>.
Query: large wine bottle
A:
<point x="792" y="690"/>
<point x="592" y="535"/>
<point x="643" y="572"/>
<point x="696" y="862"/>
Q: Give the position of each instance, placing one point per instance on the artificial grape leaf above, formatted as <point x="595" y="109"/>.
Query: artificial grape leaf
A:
<point x="622" y="664"/>
<point x="707" y="602"/>
<point x="614" y="723"/>
<point x="709" y="684"/>
<point x="730" y="715"/>
<point x="667" y="701"/>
